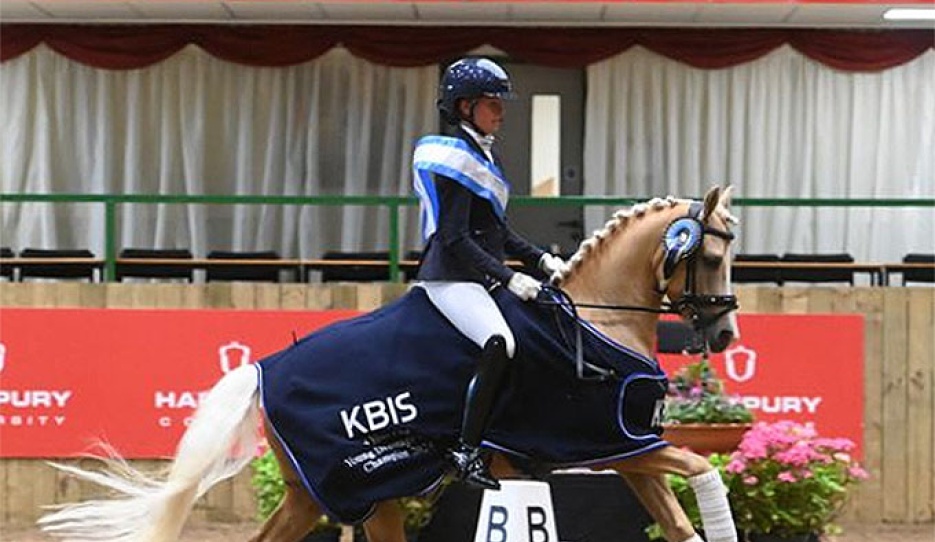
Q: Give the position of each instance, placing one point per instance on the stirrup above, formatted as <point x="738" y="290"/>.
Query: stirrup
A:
<point x="470" y="467"/>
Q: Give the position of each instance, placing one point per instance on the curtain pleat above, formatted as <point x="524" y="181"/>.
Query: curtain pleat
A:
<point x="195" y="125"/>
<point x="136" y="46"/>
<point x="782" y="126"/>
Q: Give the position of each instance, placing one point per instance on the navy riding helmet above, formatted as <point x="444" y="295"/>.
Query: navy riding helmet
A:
<point x="471" y="78"/>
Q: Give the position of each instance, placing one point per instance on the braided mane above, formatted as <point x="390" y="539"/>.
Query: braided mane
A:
<point x="618" y="222"/>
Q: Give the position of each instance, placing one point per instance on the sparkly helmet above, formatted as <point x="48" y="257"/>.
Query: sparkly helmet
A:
<point x="471" y="78"/>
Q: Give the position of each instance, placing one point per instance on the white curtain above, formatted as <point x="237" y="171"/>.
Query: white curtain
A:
<point x="194" y="124"/>
<point x="781" y="126"/>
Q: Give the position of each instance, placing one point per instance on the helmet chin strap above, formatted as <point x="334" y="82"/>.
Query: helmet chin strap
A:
<point x="470" y="117"/>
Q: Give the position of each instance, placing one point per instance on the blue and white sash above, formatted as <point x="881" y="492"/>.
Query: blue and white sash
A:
<point x="455" y="159"/>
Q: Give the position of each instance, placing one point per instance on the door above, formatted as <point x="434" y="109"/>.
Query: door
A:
<point x="559" y="95"/>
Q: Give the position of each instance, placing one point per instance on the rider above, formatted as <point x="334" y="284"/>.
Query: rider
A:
<point x="463" y="197"/>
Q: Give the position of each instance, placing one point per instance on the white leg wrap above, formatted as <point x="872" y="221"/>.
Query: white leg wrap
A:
<point x="695" y="538"/>
<point x="715" y="510"/>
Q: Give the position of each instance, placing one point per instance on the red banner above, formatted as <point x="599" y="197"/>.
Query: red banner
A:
<point x="806" y="368"/>
<point x="71" y="377"/>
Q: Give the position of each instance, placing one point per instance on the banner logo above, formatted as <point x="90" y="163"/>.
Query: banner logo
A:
<point x="233" y="355"/>
<point x="740" y="363"/>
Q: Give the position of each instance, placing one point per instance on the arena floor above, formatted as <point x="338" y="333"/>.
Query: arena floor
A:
<point x="233" y="533"/>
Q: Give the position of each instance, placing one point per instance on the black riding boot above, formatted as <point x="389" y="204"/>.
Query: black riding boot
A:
<point x="479" y="402"/>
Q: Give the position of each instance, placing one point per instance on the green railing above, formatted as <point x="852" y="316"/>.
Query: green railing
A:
<point x="392" y="204"/>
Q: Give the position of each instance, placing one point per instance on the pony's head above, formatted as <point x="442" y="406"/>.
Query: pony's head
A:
<point x="669" y="247"/>
<point x="693" y="268"/>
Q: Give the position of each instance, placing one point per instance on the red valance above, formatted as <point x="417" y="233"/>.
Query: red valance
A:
<point x="121" y="47"/>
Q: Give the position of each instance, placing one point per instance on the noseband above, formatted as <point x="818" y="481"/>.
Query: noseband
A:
<point x="682" y="241"/>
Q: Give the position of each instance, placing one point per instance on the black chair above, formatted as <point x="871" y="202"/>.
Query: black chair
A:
<point x="243" y="271"/>
<point x="409" y="273"/>
<point x="919" y="275"/>
<point x="154" y="270"/>
<point x="6" y="270"/>
<point x="58" y="269"/>
<point x="756" y="274"/>
<point x="356" y="273"/>
<point x="818" y="274"/>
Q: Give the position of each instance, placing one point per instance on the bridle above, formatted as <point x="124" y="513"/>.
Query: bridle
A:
<point x="692" y="303"/>
<point x="682" y="242"/>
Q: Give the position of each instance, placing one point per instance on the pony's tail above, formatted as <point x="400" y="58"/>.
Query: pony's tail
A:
<point x="220" y="441"/>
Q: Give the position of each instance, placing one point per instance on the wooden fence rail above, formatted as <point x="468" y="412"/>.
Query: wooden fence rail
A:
<point x="899" y="411"/>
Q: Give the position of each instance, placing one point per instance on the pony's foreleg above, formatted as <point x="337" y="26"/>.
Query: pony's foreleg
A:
<point x="386" y="523"/>
<point x="704" y="480"/>
<point x="220" y="442"/>
<point x="658" y="499"/>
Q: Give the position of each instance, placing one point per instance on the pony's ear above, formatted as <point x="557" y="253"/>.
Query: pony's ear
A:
<point x="711" y="200"/>
<point x="726" y="195"/>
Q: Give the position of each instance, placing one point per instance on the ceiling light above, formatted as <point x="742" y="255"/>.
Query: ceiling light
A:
<point x="907" y="14"/>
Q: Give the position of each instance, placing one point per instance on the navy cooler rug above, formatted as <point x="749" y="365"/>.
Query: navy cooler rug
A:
<point x="366" y="407"/>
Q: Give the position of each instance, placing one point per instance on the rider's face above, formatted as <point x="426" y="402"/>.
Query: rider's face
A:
<point x="488" y="114"/>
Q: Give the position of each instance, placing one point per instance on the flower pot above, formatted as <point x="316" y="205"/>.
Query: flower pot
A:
<point x="706" y="438"/>
<point x="761" y="537"/>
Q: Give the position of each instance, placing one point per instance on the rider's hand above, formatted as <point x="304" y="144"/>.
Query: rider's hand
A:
<point x="551" y="264"/>
<point x="524" y="286"/>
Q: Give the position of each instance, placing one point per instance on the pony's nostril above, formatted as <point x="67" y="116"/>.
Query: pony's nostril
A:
<point x="722" y="340"/>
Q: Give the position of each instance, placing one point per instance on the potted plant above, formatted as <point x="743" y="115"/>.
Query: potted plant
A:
<point x="270" y="488"/>
<point x="700" y="415"/>
<point x="787" y="483"/>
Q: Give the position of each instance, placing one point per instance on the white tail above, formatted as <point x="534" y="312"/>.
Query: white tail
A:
<point x="218" y="444"/>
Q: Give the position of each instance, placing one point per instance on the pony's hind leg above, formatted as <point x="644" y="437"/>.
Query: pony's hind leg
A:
<point x="297" y="513"/>
<point x="386" y="523"/>
<point x="704" y="480"/>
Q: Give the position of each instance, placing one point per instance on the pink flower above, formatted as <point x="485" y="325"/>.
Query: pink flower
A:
<point x="736" y="465"/>
<point x="750" y="480"/>
<point x="858" y="473"/>
<point x="786" y="476"/>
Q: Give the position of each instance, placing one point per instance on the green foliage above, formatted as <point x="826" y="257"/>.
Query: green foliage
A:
<point x="267" y="483"/>
<point x="784" y="479"/>
<point x="269" y="487"/>
<point x="696" y="395"/>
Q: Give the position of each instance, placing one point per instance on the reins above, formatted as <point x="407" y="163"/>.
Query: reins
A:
<point x="689" y="302"/>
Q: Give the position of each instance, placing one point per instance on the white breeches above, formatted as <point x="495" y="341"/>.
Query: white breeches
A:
<point x="469" y="307"/>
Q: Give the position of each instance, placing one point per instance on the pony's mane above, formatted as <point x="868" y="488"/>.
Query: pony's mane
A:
<point x="618" y="222"/>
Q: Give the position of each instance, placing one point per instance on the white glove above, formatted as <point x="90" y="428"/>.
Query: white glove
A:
<point x="524" y="286"/>
<point x="551" y="264"/>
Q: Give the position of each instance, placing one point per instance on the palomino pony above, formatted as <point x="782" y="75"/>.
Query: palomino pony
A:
<point x="578" y="361"/>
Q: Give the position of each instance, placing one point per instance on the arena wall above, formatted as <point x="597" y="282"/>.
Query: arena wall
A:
<point x="899" y="434"/>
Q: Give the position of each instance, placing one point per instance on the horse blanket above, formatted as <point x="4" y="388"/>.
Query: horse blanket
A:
<point x="365" y="408"/>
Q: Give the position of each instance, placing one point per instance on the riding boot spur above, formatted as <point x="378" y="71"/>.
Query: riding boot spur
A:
<point x="479" y="401"/>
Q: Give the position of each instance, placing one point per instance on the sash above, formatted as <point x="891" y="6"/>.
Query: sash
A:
<point x="455" y="159"/>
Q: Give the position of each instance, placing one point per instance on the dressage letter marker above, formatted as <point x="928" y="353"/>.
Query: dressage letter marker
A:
<point x="521" y="511"/>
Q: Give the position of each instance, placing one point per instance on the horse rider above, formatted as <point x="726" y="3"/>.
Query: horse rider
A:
<point x="463" y="197"/>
